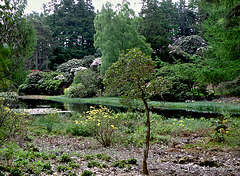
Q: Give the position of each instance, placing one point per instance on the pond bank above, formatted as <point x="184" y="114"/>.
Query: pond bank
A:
<point x="219" y="105"/>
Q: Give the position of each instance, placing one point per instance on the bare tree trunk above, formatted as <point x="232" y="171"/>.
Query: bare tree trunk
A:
<point x="146" y="149"/>
<point x="47" y="63"/>
<point x="36" y="59"/>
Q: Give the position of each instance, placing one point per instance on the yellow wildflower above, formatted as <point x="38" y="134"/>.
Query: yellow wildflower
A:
<point x="7" y="108"/>
<point x="98" y="124"/>
<point x="113" y="127"/>
<point x="76" y="122"/>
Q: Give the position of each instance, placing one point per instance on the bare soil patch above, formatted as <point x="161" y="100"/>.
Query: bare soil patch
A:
<point x="163" y="160"/>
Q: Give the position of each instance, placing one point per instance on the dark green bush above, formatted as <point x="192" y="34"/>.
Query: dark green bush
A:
<point x="63" y="168"/>
<point x="87" y="60"/>
<point x="78" y="130"/>
<point x="44" y="83"/>
<point x="93" y="164"/>
<point x="178" y="92"/>
<point x="132" y="161"/>
<point x="76" y="91"/>
<point x="67" y="66"/>
<point x="87" y="173"/>
<point x="85" y="84"/>
<point x="28" y="89"/>
<point x="34" y="77"/>
<point x="16" y="172"/>
<point x="65" y="158"/>
<point x="230" y="87"/>
<point x="190" y="44"/>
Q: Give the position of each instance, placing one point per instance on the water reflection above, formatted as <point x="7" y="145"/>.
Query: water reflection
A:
<point x="73" y="107"/>
<point x="83" y="107"/>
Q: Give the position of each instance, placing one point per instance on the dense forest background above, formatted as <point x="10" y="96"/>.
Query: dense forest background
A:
<point x="194" y="44"/>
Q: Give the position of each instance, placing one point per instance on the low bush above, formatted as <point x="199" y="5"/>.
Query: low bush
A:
<point x="76" y="91"/>
<point x="77" y="130"/>
<point x="230" y="87"/>
<point x="44" y="83"/>
<point x="67" y="66"/>
<point x="85" y="84"/>
<point x="87" y="173"/>
<point x="65" y="158"/>
<point x="11" y="122"/>
<point x="103" y="123"/>
<point x="93" y="164"/>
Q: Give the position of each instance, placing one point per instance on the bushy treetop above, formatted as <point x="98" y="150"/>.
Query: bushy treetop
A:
<point x="133" y="75"/>
<point x="190" y="44"/>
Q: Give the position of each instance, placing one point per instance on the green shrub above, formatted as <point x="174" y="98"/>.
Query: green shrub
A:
<point x="34" y="77"/>
<point x="11" y="122"/>
<point x="63" y="168"/>
<point x="65" y="158"/>
<point x="87" y="60"/>
<point x="67" y="66"/>
<point x="87" y="173"/>
<point x="76" y="91"/>
<point x="89" y="79"/>
<point x="78" y="130"/>
<point x="16" y="172"/>
<point x="132" y="161"/>
<point x="46" y="166"/>
<point x="230" y="87"/>
<point x="102" y="123"/>
<point x="103" y="157"/>
<point x="48" y="83"/>
<point x="124" y="163"/>
<point x="89" y="157"/>
<point x="93" y="164"/>
<point x="179" y="91"/>
<point x="72" y="164"/>
<point x="28" y="89"/>
<point x="120" y="163"/>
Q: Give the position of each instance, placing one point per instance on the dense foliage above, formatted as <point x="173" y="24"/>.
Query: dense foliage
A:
<point x="18" y="36"/>
<point x="196" y="41"/>
<point x="117" y="31"/>
<point x="43" y="83"/>
<point x="72" y="25"/>
<point x="85" y="84"/>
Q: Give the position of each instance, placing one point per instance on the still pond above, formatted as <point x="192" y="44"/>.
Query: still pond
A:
<point x="83" y="107"/>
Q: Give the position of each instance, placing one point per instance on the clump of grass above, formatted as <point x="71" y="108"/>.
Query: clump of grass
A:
<point x="94" y="163"/>
<point x="65" y="158"/>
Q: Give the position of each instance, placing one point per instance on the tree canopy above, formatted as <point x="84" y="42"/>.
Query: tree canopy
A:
<point x="72" y="25"/>
<point x="18" y="33"/>
<point x="117" y="31"/>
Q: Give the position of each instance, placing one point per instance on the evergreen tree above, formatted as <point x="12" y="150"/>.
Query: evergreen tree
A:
<point x="72" y="25"/>
<point x="187" y="20"/>
<point x="45" y="43"/>
<point x="154" y="26"/>
<point x="222" y="31"/>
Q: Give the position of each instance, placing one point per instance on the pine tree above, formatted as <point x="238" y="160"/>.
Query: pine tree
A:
<point x="72" y="25"/>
